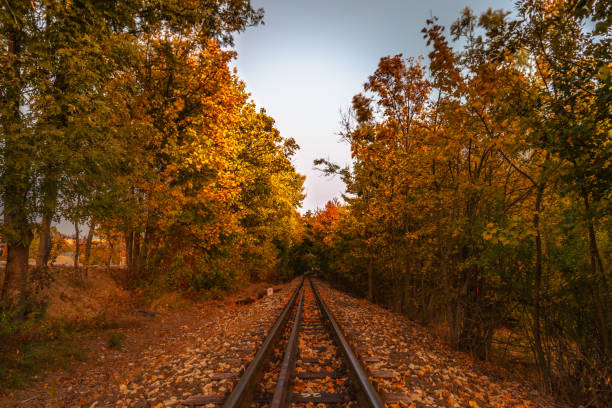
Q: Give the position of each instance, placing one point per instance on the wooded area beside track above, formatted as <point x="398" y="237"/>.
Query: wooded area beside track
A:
<point x="479" y="193"/>
<point x="129" y="120"/>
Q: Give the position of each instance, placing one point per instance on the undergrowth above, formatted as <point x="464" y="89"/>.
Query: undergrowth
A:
<point x="30" y="346"/>
<point x="115" y="340"/>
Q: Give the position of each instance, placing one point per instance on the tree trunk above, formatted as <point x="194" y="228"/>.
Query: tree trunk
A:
<point x="44" y="245"/>
<point x="447" y="285"/>
<point x="600" y="290"/>
<point x="16" y="274"/>
<point x="129" y="239"/>
<point x="49" y="188"/>
<point x="145" y="248"/>
<point x="77" y="247"/>
<point x="16" y="177"/>
<point x="370" y="278"/>
<point x="136" y="252"/>
<point x="537" y="330"/>
<point x="92" y="226"/>
<point x="397" y="292"/>
<point x="17" y="254"/>
<point x="110" y="254"/>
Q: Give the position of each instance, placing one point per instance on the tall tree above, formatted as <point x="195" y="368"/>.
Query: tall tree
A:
<point x="58" y="61"/>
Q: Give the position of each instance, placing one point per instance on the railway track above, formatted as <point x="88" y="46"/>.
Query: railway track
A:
<point x="305" y="360"/>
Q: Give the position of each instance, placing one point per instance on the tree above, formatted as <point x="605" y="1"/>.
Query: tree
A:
<point x="480" y="196"/>
<point x="59" y="60"/>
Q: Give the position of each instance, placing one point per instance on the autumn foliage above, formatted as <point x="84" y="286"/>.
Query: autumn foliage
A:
<point x="129" y="119"/>
<point x="479" y="190"/>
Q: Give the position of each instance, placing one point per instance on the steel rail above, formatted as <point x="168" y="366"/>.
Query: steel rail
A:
<point x="370" y="396"/>
<point x="240" y="396"/>
<point x="283" y="384"/>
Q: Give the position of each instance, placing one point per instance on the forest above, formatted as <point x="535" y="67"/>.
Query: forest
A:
<point x="130" y="121"/>
<point x="478" y="197"/>
<point x="480" y="189"/>
<point x="126" y="120"/>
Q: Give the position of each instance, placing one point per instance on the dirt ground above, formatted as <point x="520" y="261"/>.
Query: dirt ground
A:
<point x="175" y="349"/>
<point x="168" y="325"/>
<point x="405" y="359"/>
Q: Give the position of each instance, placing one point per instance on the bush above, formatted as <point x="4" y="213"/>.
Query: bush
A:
<point x="115" y="340"/>
<point x="29" y="346"/>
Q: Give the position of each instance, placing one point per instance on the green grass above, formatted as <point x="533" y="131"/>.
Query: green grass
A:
<point x="115" y="340"/>
<point x="31" y="347"/>
<point x="20" y="365"/>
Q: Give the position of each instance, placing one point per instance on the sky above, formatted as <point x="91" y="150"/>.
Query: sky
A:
<point x="311" y="56"/>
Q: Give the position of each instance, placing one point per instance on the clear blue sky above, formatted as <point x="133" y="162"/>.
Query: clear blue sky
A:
<point x="312" y="56"/>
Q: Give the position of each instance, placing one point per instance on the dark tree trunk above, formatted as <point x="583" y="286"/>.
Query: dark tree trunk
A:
<point x="92" y="226"/>
<point x="600" y="290"/>
<point x="49" y="187"/>
<point x="17" y="254"/>
<point x="537" y="328"/>
<point x="16" y="173"/>
<point x="370" y="279"/>
<point x="397" y="292"/>
<point x="136" y="251"/>
<point x="146" y="248"/>
<point x="110" y="253"/>
<point x="77" y="247"/>
<point x="44" y="245"/>
<point x="16" y="274"/>
<point x="129" y="240"/>
<point x="451" y="303"/>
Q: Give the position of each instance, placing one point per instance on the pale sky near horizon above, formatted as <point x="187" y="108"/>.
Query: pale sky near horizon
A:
<point x="310" y="57"/>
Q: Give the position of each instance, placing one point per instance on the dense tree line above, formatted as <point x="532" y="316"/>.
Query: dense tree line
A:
<point x="125" y="116"/>
<point x="480" y="188"/>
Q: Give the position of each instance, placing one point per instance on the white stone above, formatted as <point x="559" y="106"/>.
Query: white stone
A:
<point x="170" y="402"/>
